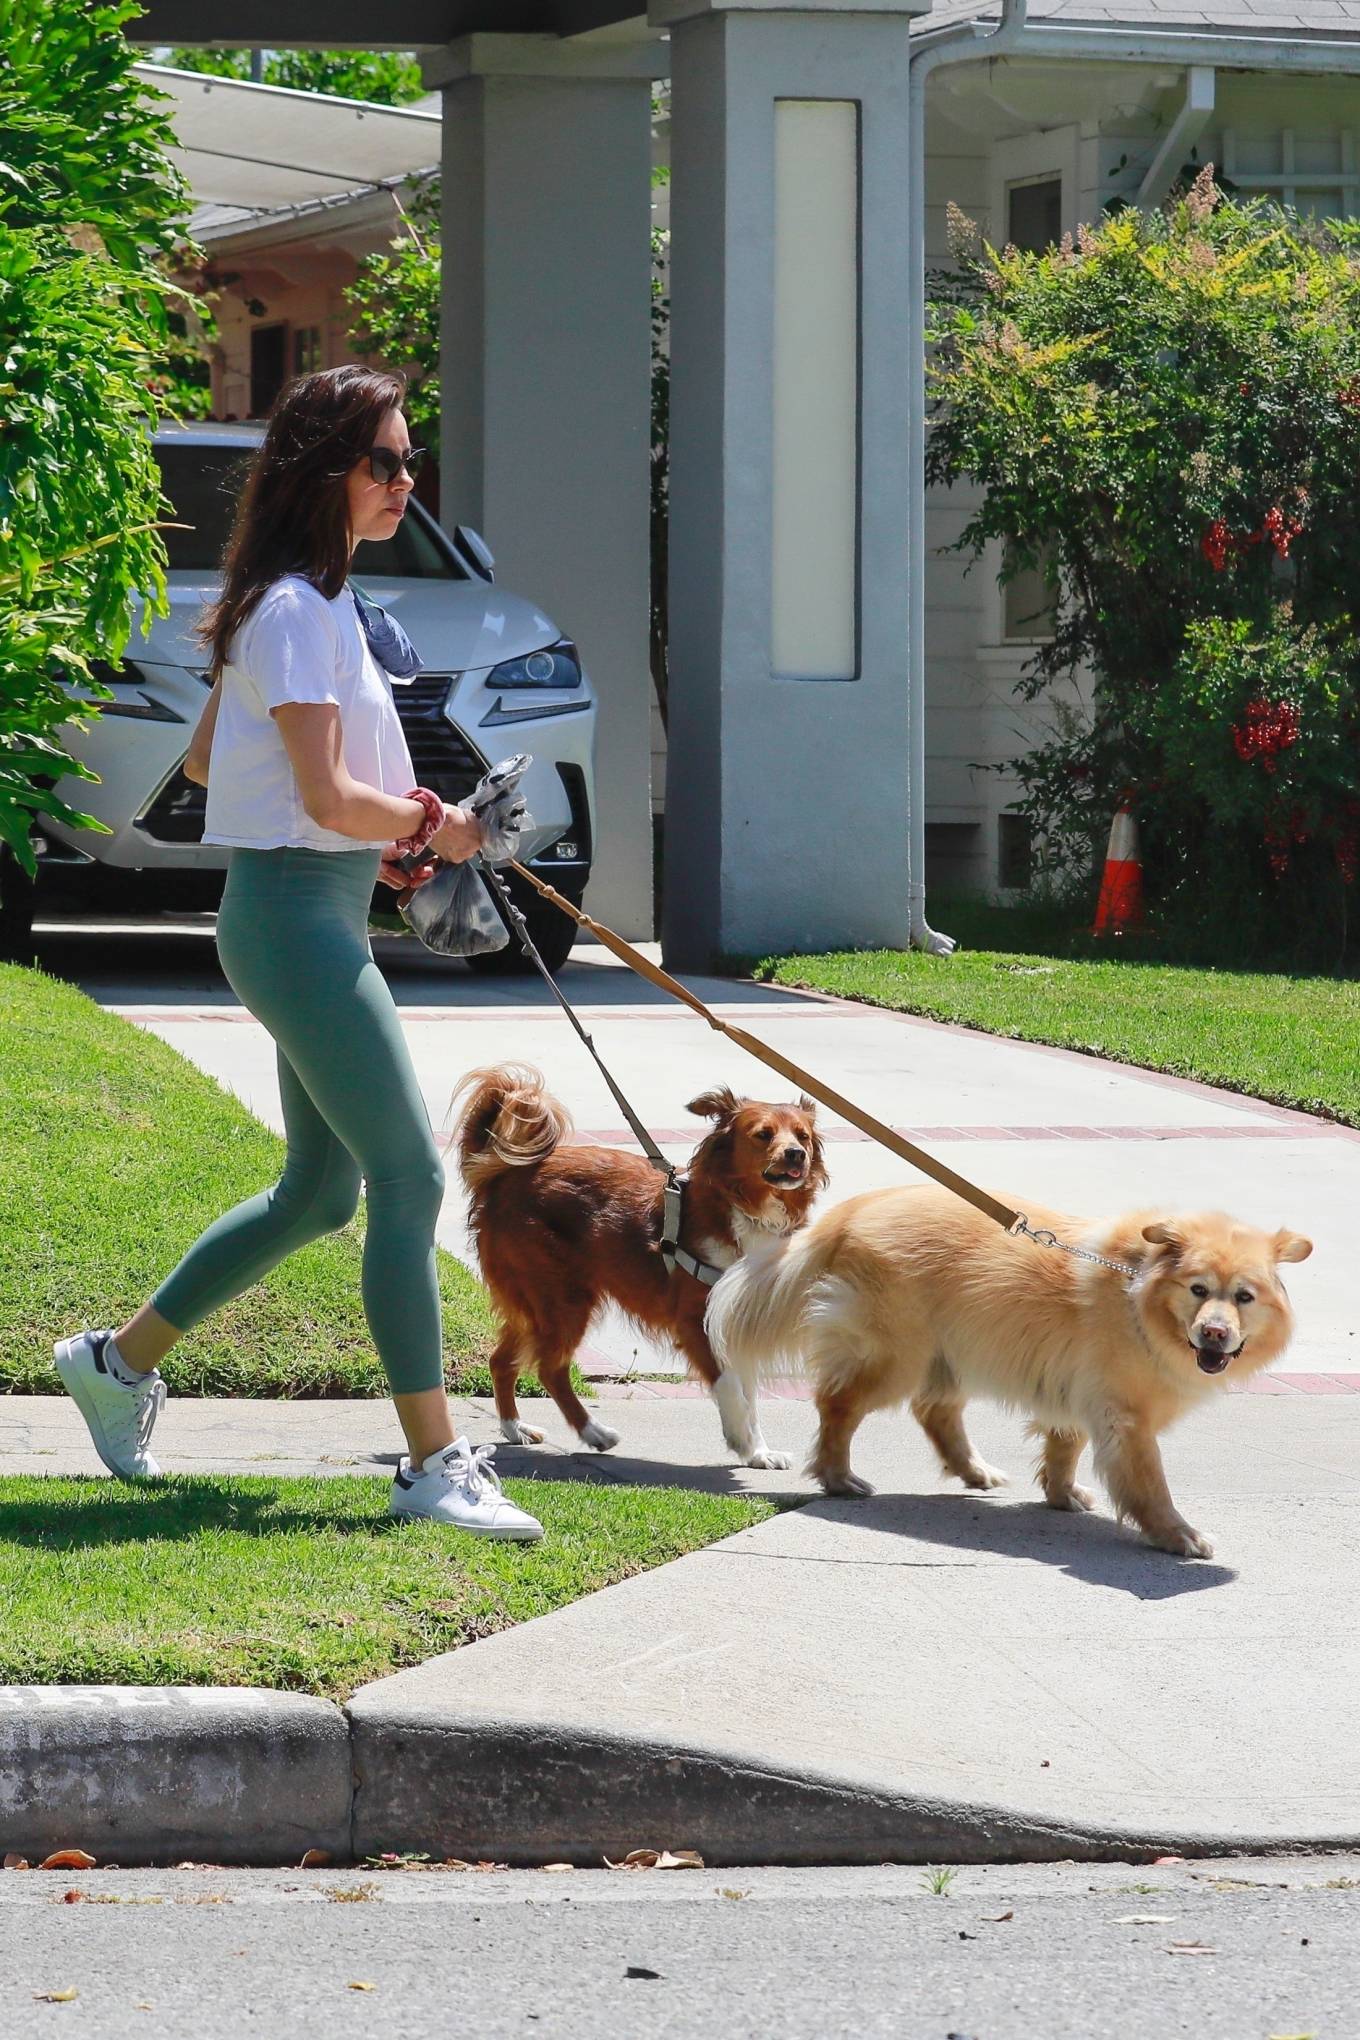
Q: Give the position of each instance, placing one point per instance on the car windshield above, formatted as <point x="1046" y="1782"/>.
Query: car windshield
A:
<point x="203" y="482"/>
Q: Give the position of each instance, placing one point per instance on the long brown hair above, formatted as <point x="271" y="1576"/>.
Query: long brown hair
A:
<point x="293" y="515"/>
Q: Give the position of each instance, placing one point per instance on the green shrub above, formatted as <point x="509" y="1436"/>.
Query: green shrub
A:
<point x="88" y="202"/>
<point x="1166" y="414"/>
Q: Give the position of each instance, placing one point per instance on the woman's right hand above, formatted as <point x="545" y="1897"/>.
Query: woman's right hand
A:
<point x="459" y="839"/>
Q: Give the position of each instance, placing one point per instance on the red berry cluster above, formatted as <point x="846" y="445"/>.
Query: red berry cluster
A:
<point x="1270" y="727"/>
<point x="1282" y="831"/>
<point x="1216" y="545"/>
<point x="1220" y="542"/>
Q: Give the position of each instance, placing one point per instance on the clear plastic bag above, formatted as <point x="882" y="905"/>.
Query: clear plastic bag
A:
<point x="453" y="913"/>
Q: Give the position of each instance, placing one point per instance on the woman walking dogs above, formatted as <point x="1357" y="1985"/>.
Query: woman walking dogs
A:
<point x="310" y="785"/>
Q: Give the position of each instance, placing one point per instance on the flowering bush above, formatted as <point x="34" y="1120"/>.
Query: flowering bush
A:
<point x="1166" y="413"/>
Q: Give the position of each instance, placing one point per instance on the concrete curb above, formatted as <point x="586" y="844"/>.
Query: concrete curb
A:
<point x="155" y="1774"/>
<point x="503" y="1791"/>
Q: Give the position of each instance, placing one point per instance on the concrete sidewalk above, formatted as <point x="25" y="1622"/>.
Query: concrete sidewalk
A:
<point x="928" y="1675"/>
<point x="1038" y="1123"/>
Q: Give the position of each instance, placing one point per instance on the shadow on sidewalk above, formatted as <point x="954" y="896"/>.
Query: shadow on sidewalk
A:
<point x="965" y="1527"/>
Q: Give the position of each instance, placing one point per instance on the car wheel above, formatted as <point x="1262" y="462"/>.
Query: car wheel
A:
<point x="552" y="933"/>
<point x="17" y="892"/>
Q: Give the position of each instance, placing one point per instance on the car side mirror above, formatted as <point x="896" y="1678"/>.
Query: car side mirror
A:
<point x="475" y="550"/>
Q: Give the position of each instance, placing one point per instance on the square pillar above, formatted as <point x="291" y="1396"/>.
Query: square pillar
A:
<point x="787" y="813"/>
<point x="545" y="377"/>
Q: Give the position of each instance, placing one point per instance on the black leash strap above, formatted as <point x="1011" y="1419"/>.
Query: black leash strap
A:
<point x="521" y="928"/>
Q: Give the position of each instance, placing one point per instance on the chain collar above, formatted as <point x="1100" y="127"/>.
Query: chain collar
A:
<point x="1043" y="1237"/>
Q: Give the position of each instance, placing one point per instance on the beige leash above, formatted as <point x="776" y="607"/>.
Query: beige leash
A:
<point x="1013" y="1221"/>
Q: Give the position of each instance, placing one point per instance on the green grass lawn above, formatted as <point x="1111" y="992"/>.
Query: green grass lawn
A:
<point x="1294" y="1040"/>
<point x="305" y="1585"/>
<point x="116" y="1153"/>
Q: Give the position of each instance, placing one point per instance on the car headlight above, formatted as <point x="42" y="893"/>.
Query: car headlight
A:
<point x="558" y="667"/>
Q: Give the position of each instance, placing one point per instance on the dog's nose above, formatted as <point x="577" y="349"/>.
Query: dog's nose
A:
<point x="1215" y="1334"/>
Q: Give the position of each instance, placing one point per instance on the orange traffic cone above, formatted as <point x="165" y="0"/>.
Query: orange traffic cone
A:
<point x="1119" y="910"/>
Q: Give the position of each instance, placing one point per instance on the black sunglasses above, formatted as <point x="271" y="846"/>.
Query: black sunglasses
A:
<point x="384" y="464"/>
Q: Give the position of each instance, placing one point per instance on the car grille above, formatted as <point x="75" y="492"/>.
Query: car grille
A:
<point x="441" y="755"/>
<point x="443" y="758"/>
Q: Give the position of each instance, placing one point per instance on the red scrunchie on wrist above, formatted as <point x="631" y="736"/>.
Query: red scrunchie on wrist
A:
<point x="435" y="816"/>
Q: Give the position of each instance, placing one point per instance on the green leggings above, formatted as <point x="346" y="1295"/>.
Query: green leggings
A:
<point x="292" y="934"/>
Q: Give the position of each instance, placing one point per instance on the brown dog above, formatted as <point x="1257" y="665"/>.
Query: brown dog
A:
<point x="912" y="1295"/>
<point x="561" y="1228"/>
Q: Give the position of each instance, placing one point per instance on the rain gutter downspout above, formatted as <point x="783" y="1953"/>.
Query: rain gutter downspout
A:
<point x="972" y="42"/>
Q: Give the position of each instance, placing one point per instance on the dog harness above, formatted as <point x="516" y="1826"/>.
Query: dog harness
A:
<point x="672" y="1216"/>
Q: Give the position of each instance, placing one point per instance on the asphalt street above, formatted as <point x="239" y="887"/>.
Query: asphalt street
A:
<point x="1232" y="1950"/>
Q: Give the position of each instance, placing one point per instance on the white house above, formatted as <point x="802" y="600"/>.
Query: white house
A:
<point x="809" y="594"/>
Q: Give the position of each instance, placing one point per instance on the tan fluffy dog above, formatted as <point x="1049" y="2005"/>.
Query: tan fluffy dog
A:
<point x="912" y="1295"/>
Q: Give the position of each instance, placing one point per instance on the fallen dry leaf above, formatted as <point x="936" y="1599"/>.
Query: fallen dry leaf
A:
<point x="556" y="1867"/>
<point x="361" y="1986"/>
<point x="658" y="1859"/>
<point x="1191" y="1948"/>
<point x="726" y="1891"/>
<point x="1145" y="1919"/>
<point x="315" y="1859"/>
<point x="648" y="1975"/>
<point x="55" y="1997"/>
<point x="995" y="1919"/>
<point x="72" y="1897"/>
<point x="67" y="1859"/>
<point x="13" y="1862"/>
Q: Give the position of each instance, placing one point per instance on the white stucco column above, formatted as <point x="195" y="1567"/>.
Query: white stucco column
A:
<point x="786" y="822"/>
<point x="545" y="376"/>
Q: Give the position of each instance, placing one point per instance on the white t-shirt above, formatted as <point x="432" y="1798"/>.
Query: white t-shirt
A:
<point x="297" y="646"/>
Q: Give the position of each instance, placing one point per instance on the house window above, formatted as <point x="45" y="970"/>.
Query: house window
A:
<point x="306" y="350"/>
<point x="1028" y="602"/>
<point x="1313" y="172"/>
<point x="1034" y="213"/>
<point x="1014" y="852"/>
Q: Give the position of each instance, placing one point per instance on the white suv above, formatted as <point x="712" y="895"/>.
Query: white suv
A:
<point x="499" y="677"/>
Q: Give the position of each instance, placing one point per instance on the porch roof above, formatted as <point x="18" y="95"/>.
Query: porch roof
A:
<point x="249" y="151"/>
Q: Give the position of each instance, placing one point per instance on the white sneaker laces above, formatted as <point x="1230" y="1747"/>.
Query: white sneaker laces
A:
<point x="472" y="1470"/>
<point x="140" y="1419"/>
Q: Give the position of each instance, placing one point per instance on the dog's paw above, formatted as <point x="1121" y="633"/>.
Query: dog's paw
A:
<point x="599" y="1437"/>
<point x="1184" y="1541"/>
<point x="981" y="1477"/>
<point x="516" y="1432"/>
<point x="1076" y="1499"/>
<point x="845" y="1484"/>
<point x="766" y="1461"/>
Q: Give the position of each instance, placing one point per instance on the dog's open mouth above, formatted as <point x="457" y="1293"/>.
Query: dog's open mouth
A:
<point x="786" y="1175"/>
<point x="1212" y="1359"/>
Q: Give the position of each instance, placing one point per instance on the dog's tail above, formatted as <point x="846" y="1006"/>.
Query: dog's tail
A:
<point x="762" y="1310"/>
<point x="508" y="1120"/>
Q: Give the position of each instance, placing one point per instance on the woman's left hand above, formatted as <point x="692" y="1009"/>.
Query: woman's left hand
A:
<point x="391" y="873"/>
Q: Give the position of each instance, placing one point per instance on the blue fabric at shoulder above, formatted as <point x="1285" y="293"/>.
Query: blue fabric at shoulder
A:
<point x="387" y="640"/>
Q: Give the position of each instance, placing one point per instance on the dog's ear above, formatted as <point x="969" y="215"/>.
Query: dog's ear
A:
<point x="721" y="1104"/>
<point x="1291" y="1246"/>
<point x="1164" y="1234"/>
<point x="807" y="1106"/>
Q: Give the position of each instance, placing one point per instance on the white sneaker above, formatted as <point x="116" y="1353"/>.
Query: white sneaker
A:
<point x="457" y="1486"/>
<point x="121" y="1417"/>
